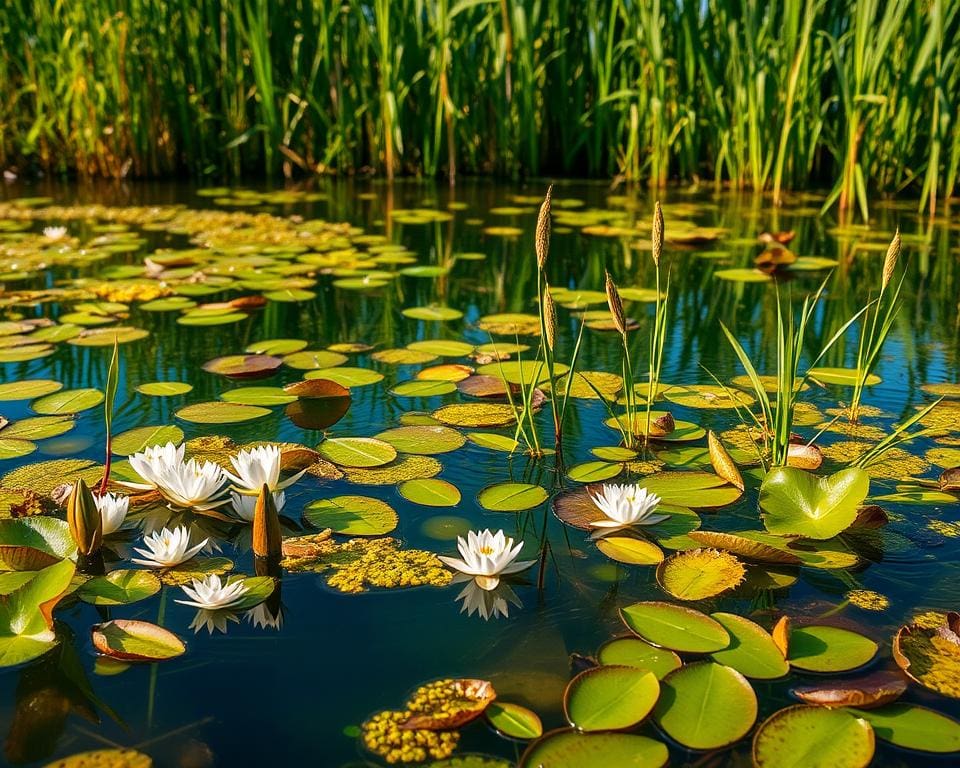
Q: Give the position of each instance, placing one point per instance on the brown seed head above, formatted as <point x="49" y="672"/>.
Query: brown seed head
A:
<point x="616" y="306"/>
<point x="549" y="318"/>
<point x="657" y="233"/>
<point x="542" y="239"/>
<point x="890" y="262"/>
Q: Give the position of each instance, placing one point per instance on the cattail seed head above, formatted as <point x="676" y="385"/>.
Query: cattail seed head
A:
<point x="616" y="306"/>
<point x="657" y="233"/>
<point x="542" y="238"/>
<point x="549" y="318"/>
<point x="890" y="262"/>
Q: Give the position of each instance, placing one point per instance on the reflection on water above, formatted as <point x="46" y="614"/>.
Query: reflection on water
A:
<point x="299" y="676"/>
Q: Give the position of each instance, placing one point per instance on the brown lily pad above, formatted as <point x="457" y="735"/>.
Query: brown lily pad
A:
<point x="243" y="366"/>
<point x="747" y="549"/>
<point x="866" y="692"/>
<point x="316" y="389"/>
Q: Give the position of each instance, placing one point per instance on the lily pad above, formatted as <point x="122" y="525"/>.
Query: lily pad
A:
<point x="243" y="366"/>
<point x="104" y="758"/>
<point x="634" y="652"/>
<point x="800" y="503"/>
<point x="423" y="439"/>
<point x="39" y="427"/>
<point x="829" y="649"/>
<point x="931" y="656"/>
<point x="311" y="360"/>
<point x="594" y="471"/>
<point x="813" y="737"/>
<point x="752" y="651"/>
<point x="675" y="627"/>
<point x="697" y="574"/>
<point x="221" y="413"/>
<point x="67" y="401"/>
<point x="357" y="451"/>
<point x="347" y="377"/>
<point x="164" y="388"/>
<point x="26" y="624"/>
<point x="28" y="389"/>
<point x="744" y="548"/>
<point x="700" y="490"/>
<point x="352" y="515"/>
<point x="513" y="721"/>
<point x="844" y="377"/>
<point x="474" y="415"/>
<point x="263" y="396"/>
<point x="32" y="543"/>
<point x="136" y="440"/>
<point x="423" y="388"/>
<point x="913" y="727"/>
<point x="119" y="588"/>
<point x="630" y="550"/>
<point x="430" y="492"/>
<point x="610" y="697"/>
<point x="512" y="497"/>
<point x="570" y="749"/>
<point x="133" y="640"/>
<point x="705" y="705"/>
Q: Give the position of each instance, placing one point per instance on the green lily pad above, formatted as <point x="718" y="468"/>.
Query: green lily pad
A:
<point x="433" y="313"/>
<point x="430" y="492"/>
<point x="275" y="347"/>
<point x="442" y="348"/>
<point x="700" y="490"/>
<point x="705" y="705"/>
<point x="697" y="574"/>
<point x="675" y="627"/>
<point x="13" y="448"/>
<point x="264" y="396"/>
<point x="752" y="651"/>
<point x="311" y="360"/>
<point x="195" y="568"/>
<point x="26" y="627"/>
<point x="610" y="698"/>
<point x="634" y="652"/>
<point x="136" y="440"/>
<point x="474" y="415"/>
<point x="362" y="452"/>
<point x="39" y="427"/>
<point x="512" y="497"/>
<point x="513" y="721"/>
<point x="67" y="401"/>
<point x="119" y="588"/>
<point x="28" y="389"/>
<point x="243" y="366"/>
<point x="423" y="439"/>
<point x="797" y="502"/>
<point x="569" y="749"/>
<point x="352" y="515"/>
<point x="931" y="655"/>
<point x="913" y="727"/>
<point x="829" y="649"/>
<point x="347" y="377"/>
<point x="594" y="471"/>
<point x="813" y="737"/>
<point x="493" y="441"/>
<point x="421" y="388"/>
<point x="164" y="388"/>
<point x="32" y="543"/>
<point x="845" y="377"/>
<point x="630" y="550"/>
<point x="133" y="640"/>
<point x="215" y="412"/>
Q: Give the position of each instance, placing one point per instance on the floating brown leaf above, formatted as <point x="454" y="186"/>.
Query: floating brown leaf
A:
<point x="448" y="704"/>
<point x="723" y="463"/>
<point x="781" y="635"/>
<point x="866" y="692"/>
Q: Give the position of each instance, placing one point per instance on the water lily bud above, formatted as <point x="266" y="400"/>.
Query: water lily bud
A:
<point x="657" y="233"/>
<point x="83" y="517"/>
<point x="616" y="306"/>
<point x="267" y="541"/>
<point x="549" y="318"/>
<point x="890" y="262"/>
<point x="542" y="238"/>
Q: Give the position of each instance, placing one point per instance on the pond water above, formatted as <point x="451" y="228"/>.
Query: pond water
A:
<point x="293" y="687"/>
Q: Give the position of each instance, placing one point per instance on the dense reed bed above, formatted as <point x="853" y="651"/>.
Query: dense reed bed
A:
<point x="860" y="95"/>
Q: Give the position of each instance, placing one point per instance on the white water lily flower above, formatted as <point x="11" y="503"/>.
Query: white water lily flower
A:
<point x="245" y="506"/>
<point x="54" y="233"/>
<point x="262" y="618"/>
<point x="260" y="466"/>
<point x="487" y="557"/>
<point x="210" y="593"/>
<point x="166" y="548"/>
<point x="193" y="485"/>
<point x="113" y="511"/>
<point x="213" y="620"/>
<point x="488" y="604"/>
<point x="626" y="505"/>
<point x="151" y="461"/>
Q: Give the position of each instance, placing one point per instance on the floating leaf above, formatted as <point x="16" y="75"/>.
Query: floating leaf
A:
<point x="706" y="705"/>
<point x="221" y="413"/>
<point x="796" y="502"/>
<point x="610" y="698"/>
<point x="423" y="440"/>
<point x="316" y="389"/>
<point x="422" y="388"/>
<point x="164" y="388"/>
<point x="442" y="348"/>
<point x="12" y="448"/>
<point x="931" y="656"/>
<point x="347" y="377"/>
<point x="629" y="550"/>
<point x="433" y="313"/>
<point x="633" y="652"/>
<point x="708" y="396"/>
<point x="512" y="497"/>
<point x="352" y="515"/>
<point x="675" y="627"/>
<point x="829" y="649"/>
<point x="196" y="568"/>
<point x="813" y="737"/>
<point x="570" y="749"/>
<point x="844" y="377"/>
<point x="913" y="727"/>
<point x="430" y="492"/>
<point x="752" y="651"/>
<point x="265" y="396"/>
<point x="243" y="366"/>
<point x="404" y="468"/>
<point x="308" y="360"/>
<point x="39" y="427"/>
<point x="119" y="588"/>
<point x="494" y="442"/>
<point x="594" y="471"/>
<point x="514" y="721"/>
<point x="475" y="415"/>
<point x="67" y="401"/>
<point x="104" y="758"/>
<point x="43" y="477"/>
<point x="32" y="543"/>
<point x="723" y="463"/>
<point x="700" y="490"/>
<point x="699" y="573"/>
<point x="447" y="704"/>
<point x="136" y="641"/>
<point x="136" y="440"/>
<point x="28" y="389"/>
<point x="868" y="692"/>
<point x="402" y="357"/>
<point x="357" y="451"/>
<point x="746" y="549"/>
<point x="26" y="624"/>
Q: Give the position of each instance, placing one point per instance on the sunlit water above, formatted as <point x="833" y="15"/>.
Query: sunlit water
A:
<point x="292" y="696"/>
